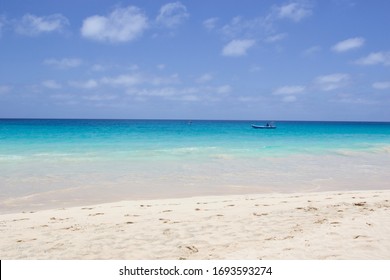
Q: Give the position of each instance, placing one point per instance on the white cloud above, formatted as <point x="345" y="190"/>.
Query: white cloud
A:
<point x="172" y="14"/>
<point x="289" y="90"/>
<point x="121" y="25"/>
<point x="210" y="23"/>
<point x="263" y="27"/>
<point x="206" y="93"/>
<point x="128" y="81"/>
<point x="311" y="51"/>
<point x="63" y="63"/>
<point x="349" y="44"/>
<point x="97" y="68"/>
<point x="250" y="99"/>
<point x="332" y="81"/>
<point x="237" y="47"/>
<point x="275" y="38"/>
<point x="123" y="80"/>
<point x="51" y="84"/>
<point x="239" y="27"/>
<point x="375" y="58"/>
<point x="160" y="92"/>
<point x="223" y="89"/>
<point x="207" y="77"/>
<point x="381" y="85"/>
<point x="88" y="84"/>
<point x="295" y="11"/>
<point x="349" y="98"/>
<point x="32" y="25"/>
<point x="158" y="81"/>
<point x="289" y="98"/>
<point x="97" y="97"/>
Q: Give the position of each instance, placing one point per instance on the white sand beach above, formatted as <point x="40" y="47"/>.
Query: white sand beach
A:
<point x="327" y="225"/>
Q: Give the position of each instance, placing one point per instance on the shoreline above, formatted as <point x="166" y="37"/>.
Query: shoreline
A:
<point x="313" y="225"/>
<point x="345" y="171"/>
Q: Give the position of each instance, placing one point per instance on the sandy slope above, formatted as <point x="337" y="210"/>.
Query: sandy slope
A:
<point x="330" y="225"/>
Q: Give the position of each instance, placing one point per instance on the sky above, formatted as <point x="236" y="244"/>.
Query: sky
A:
<point x="203" y="59"/>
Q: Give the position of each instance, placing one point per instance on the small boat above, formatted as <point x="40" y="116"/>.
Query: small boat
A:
<point x="267" y="126"/>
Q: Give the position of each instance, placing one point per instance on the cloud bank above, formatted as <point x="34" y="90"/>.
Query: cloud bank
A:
<point x="237" y="47"/>
<point x="375" y="58"/>
<point x="332" y="81"/>
<point x="295" y="11"/>
<point x="121" y="25"/>
<point x="349" y="44"/>
<point x="63" y="63"/>
<point x="172" y="14"/>
<point x="32" y="25"/>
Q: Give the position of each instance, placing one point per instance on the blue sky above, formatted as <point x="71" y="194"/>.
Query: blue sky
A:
<point x="219" y="59"/>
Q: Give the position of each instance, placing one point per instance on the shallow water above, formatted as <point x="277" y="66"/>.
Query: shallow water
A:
<point x="58" y="163"/>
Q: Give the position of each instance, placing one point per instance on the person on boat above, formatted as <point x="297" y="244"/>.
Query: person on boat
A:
<point x="267" y="125"/>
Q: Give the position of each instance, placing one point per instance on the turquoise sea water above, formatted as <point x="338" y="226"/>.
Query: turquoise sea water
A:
<point x="49" y="162"/>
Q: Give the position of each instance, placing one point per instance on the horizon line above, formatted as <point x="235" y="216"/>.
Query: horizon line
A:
<point x="190" y="119"/>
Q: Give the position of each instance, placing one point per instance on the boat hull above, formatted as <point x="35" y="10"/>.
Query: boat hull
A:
<point x="263" y="127"/>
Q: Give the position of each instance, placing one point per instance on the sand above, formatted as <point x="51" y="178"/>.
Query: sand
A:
<point x="327" y="225"/>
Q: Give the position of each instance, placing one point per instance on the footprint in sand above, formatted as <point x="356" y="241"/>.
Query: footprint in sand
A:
<point x="360" y="236"/>
<point x="360" y="203"/>
<point x="96" y="214"/>
<point x="270" y="238"/>
<point x="21" y="241"/>
<point x="164" y="220"/>
<point x="73" y="228"/>
<point x="23" y="219"/>
<point x="320" y="221"/>
<point x="191" y="248"/>
<point x="288" y="237"/>
<point x="58" y="219"/>
<point x="260" y="214"/>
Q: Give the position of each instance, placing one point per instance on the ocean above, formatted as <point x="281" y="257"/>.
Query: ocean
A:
<point x="46" y="163"/>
